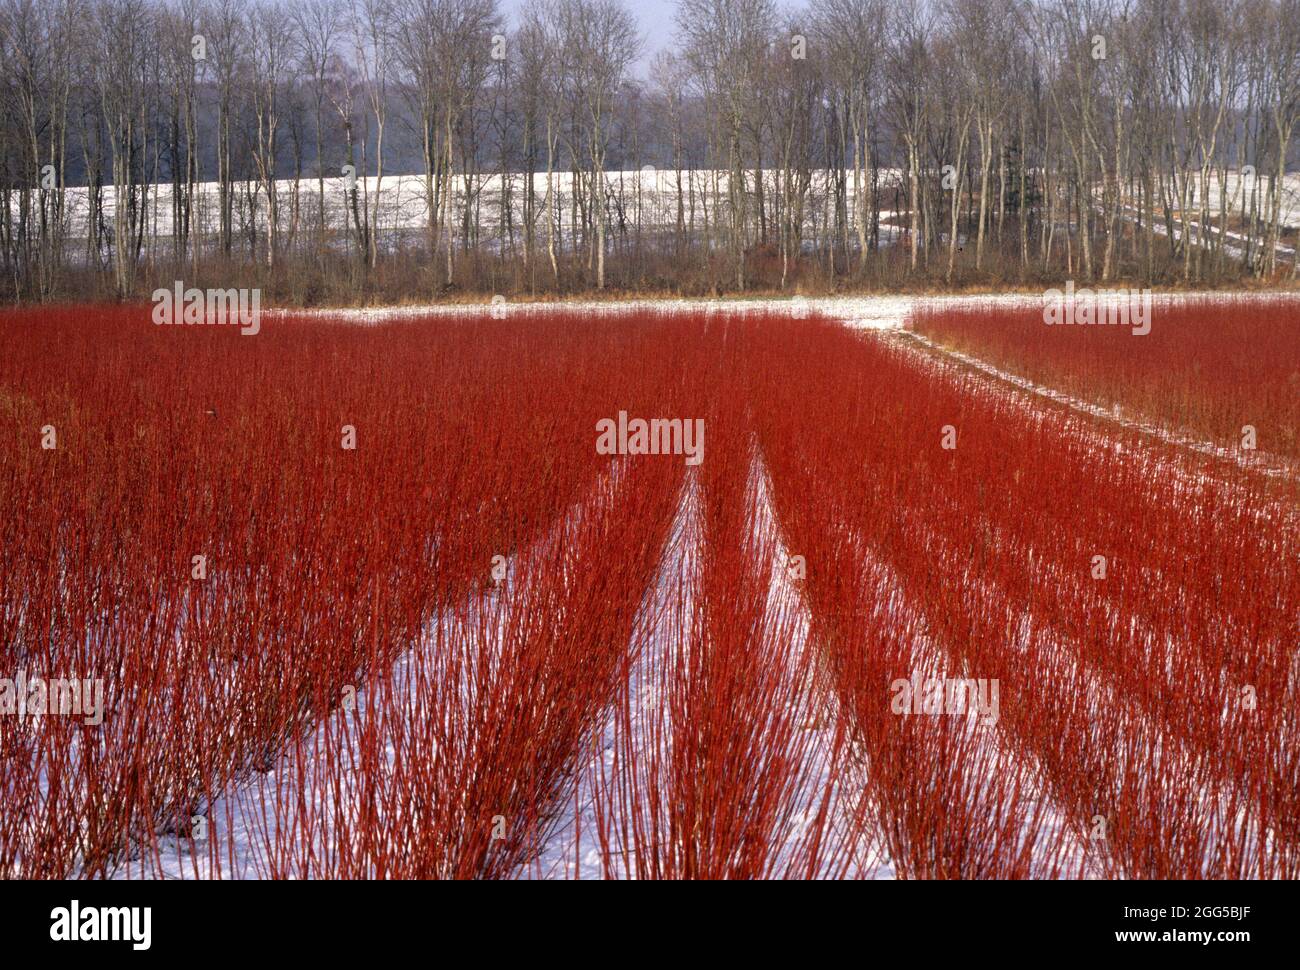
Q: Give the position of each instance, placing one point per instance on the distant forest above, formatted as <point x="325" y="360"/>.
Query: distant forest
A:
<point x="852" y="144"/>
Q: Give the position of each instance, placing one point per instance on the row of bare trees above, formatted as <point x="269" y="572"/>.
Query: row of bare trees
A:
<point x="335" y="150"/>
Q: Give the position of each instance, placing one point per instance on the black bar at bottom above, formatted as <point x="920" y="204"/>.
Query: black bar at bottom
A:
<point x="337" y="921"/>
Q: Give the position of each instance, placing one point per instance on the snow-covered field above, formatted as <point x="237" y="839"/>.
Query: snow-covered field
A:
<point x="645" y="198"/>
<point x="1241" y="186"/>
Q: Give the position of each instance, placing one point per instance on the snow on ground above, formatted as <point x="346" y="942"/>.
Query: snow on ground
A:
<point x="1240" y="188"/>
<point x="864" y="312"/>
<point x="246" y="823"/>
<point x="1233" y="245"/>
<point x="648" y="193"/>
<point x="648" y="198"/>
<point x="575" y="851"/>
<point x="842" y="776"/>
<point x="873" y="312"/>
<point x="860" y="312"/>
<point x="253" y="817"/>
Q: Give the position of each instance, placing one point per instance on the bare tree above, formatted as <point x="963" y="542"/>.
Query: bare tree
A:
<point x="725" y="42"/>
<point x="599" y="41"/>
<point x="319" y="25"/>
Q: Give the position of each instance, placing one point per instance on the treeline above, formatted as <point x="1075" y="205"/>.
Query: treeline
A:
<point x="343" y="150"/>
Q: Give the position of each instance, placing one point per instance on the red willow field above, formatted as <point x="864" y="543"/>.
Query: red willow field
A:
<point x="473" y="647"/>
<point x="1211" y="367"/>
